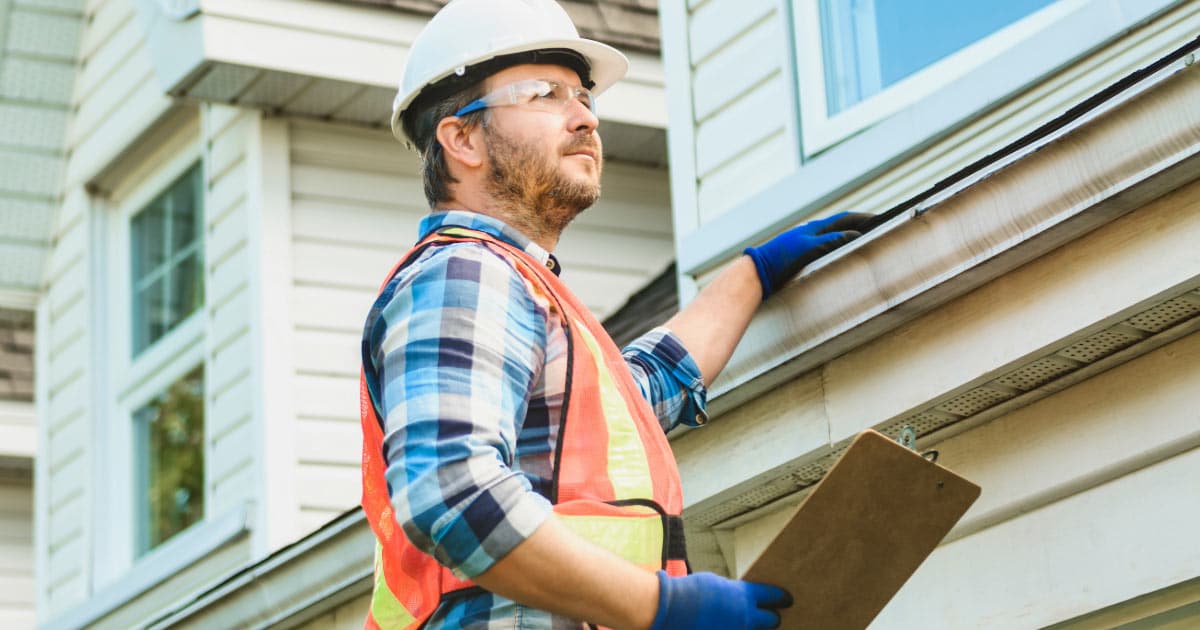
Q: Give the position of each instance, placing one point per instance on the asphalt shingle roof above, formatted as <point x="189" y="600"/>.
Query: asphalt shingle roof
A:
<point x="626" y="24"/>
<point x="16" y="355"/>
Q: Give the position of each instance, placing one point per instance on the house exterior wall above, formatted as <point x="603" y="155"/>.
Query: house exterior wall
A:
<point x="741" y="169"/>
<point x="105" y="93"/>
<point x="16" y="550"/>
<point x="1082" y="513"/>
<point x="745" y="139"/>
<point x="1063" y="478"/>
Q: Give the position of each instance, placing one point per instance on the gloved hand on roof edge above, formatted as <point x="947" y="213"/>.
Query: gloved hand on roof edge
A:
<point x="782" y="257"/>
<point x="706" y="601"/>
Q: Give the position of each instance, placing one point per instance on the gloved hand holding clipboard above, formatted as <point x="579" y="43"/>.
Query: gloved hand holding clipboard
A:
<point x="861" y="533"/>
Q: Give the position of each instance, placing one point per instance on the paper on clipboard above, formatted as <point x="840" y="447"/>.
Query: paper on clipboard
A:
<point x="861" y="533"/>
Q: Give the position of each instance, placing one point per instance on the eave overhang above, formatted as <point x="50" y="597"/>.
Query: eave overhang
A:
<point x="1131" y="144"/>
<point x="343" y="62"/>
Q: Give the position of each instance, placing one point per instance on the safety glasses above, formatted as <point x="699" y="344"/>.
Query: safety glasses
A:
<point x="540" y="94"/>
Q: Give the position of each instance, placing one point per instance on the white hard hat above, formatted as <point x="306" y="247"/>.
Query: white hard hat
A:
<point x="468" y="32"/>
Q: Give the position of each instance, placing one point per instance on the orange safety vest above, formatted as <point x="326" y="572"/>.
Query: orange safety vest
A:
<point x="615" y="479"/>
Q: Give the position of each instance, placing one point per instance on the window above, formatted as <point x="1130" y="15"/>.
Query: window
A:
<point x="167" y="261"/>
<point x="169" y="436"/>
<point x="165" y="400"/>
<point x="862" y="60"/>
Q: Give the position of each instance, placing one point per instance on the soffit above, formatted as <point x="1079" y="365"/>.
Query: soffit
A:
<point x="38" y="44"/>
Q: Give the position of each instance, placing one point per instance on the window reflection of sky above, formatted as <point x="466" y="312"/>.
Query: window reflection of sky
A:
<point x="916" y="33"/>
<point x="870" y="45"/>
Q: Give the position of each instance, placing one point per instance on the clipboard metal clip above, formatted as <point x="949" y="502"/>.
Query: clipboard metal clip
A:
<point x="908" y="439"/>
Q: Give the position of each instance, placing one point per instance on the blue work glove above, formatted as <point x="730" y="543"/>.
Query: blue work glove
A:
<point x="706" y="601"/>
<point x="782" y="257"/>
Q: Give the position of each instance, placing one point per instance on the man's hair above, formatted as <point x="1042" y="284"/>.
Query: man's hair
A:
<point x="420" y="123"/>
<point x="444" y="98"/>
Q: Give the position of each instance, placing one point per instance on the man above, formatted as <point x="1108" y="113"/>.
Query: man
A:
<point x="515" y="467"/>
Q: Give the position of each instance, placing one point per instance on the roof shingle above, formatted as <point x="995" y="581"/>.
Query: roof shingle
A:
<point x="16" y="355"/>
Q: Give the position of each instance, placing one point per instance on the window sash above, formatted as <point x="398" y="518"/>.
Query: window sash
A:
<point x="148" y="538"/>
<point x="160" y="277"/>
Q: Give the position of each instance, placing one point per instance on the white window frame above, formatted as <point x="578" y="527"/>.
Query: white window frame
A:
<point x="822" y="130"/>
<point x="131" y="382"/>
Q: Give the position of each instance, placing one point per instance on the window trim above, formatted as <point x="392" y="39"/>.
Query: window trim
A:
<point x="821" y="131"/>
<point x="841" y="168"/>
<point x="129" y="381"/>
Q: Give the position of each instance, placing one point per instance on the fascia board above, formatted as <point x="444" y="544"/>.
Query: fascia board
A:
<point x="354" y="44"/>
<point x="289" y="586"/>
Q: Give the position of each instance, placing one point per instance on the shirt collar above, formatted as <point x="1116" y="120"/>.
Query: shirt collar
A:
<point x="489" y="225"/>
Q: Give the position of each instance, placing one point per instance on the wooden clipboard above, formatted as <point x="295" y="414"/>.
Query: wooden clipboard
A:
<point x="861" y="533"/>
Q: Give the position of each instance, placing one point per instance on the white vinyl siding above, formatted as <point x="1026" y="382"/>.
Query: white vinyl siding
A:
<point x="16" y="551"/>
<point x="744" y="120"/>
<point x="356" y="203"/>
<point x="229" y="358"/>
<point x="116" y="94"/>
<point x="64" y="340"/>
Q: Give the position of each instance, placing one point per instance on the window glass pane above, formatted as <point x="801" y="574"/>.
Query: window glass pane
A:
<point x="170" y="452"/>
<point x="149" y="312"/>
<point x="167" y="260"/>
<point x="146" y="238"/>
<point x="869" y="45"/>
<point x="184" y="211"/>
<point x="187" y="289"/>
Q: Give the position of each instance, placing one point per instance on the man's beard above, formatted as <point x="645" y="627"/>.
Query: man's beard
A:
<point x="530" y="187"/>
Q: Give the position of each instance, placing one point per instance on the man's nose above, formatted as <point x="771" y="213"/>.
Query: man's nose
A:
<point x="580" y="117"/>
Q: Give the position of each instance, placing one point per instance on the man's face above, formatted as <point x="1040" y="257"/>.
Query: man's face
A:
<point x="545" y="164"/>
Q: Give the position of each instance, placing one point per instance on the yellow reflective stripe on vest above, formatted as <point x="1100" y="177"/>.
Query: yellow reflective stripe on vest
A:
<point x="386" y="609"/>
<point x="628" y="469"/>
<point x="637" y="538"/>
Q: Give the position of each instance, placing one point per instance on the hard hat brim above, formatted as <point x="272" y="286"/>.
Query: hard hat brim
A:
<point x="608" y="65"/>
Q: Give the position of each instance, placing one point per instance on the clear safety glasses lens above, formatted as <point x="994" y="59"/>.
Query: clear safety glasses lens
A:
<point x="536" y="93"/>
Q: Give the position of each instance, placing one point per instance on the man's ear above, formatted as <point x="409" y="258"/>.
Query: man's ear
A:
<point x="459" y="143"/>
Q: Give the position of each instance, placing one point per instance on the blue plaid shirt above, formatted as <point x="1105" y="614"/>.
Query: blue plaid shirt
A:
<point x="468" y="368"/>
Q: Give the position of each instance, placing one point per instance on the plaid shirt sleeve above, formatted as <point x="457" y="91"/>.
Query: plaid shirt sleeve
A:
<point x="461" y="345"/>
<point x="668" y="377"/>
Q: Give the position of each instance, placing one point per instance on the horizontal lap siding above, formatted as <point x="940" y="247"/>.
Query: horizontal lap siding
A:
<point x="1056" y="469"/>
<point x="744" y="119"/>
<point x="356" y="201"/>
<point x="16" y="552"/>
<point x="356" y="204"/>
<point x="228" y="339"/>
<point x="62" y="580"/>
